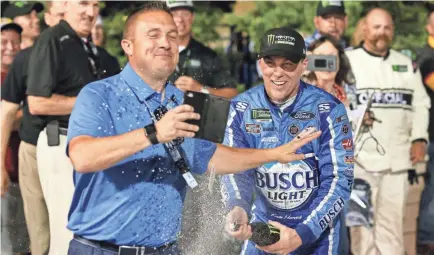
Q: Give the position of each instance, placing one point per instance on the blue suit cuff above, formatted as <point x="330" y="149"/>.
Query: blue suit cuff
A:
<point x="305" y="233"/>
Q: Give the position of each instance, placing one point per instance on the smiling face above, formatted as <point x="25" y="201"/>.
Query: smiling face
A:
<point x="10" y="46"/>
<point x="81" y="15"/>
<point x="281" y="77"/>
<point x="152" y="45"/>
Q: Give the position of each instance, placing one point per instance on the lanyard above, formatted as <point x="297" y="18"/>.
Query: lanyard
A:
<point x="173" y="147"/>
<point x="93" y="57"/>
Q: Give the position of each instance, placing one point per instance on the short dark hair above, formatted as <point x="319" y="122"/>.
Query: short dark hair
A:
<point x="344" y="65"/>
<point x="147" y="6"/>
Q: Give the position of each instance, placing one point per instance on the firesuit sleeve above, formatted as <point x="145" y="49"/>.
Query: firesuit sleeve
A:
<point x="335" y="164"/>
<point x="237" y="189"/>
<point x="421" y="104"/>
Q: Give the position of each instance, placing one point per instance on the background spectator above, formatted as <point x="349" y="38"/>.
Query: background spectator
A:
<point x="25" y="15"/>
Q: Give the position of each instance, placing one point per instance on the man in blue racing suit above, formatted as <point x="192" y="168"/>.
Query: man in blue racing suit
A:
<point x="302" y="199"/>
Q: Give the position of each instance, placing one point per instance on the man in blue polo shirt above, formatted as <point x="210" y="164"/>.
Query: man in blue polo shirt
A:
<point x="128" y="191"/>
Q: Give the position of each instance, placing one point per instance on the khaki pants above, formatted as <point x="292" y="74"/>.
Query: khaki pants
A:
<point x="35" y="210"/>
<point x="389" y="195"/>
<point x="56" y="174"/>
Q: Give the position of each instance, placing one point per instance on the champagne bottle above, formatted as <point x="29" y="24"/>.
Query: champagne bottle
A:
<point x="263" y="234"/>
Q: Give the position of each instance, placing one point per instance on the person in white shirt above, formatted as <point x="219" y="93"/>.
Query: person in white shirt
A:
<point x="393" y="144"/>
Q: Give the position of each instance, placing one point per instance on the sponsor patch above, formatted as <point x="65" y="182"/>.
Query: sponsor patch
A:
<point x="345" y="129"/>
<point x="341" y="118"/>
<point x="400" y="68"/>
<point x="287" y="186"/>
<point x="349" y="160"/>
<point x="302" y="115"/>
<point x="347" y="144"/>
<point x="293" y="129"/>
<point x="386" y="98"/>
<point x="349" y="172"/>
<point x="272" y="139"/>
<point x="253" y="128"/>
<point x="241" y="106"/>
<point x="324" y="107"/>
<point x="337" y="206"/>
<point x="268" y="129"/>
<point x="261" y="114"/>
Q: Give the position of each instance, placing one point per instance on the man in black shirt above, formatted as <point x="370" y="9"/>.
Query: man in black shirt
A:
<point x="199" y="68"/>
<point x="62" y="62"/>
<point x="13" y="96"/>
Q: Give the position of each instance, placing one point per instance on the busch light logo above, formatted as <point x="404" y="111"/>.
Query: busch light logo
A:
<point x="287" y="186"/>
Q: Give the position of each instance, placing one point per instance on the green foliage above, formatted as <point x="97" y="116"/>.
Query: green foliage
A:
<point x="409" y="20"/>
<point x="206" y="21"/>
<point x="114" y="27"/>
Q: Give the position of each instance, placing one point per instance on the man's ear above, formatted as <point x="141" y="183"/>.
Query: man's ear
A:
<point x="316" y="22"/>
<point x="305" y="62"/>
<point x="127" y="46"/>
<point x="346" y="22"/>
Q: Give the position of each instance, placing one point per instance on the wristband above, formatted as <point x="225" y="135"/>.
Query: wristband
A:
<point x="151" y="133"/>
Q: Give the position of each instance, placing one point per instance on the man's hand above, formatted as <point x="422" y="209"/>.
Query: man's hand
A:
<point x="172" y="125"/>
<point x="4" y="185"/>
<point x="289" y="240"/>
<point x="286" y="153"/>
<point x="237" y="216"/>
<point x="185" y="83"/>
<point x="368" y="119"/>
<point x="417" y="153"/>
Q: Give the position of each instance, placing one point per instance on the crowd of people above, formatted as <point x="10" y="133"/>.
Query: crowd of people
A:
<point x="101" y="159"/>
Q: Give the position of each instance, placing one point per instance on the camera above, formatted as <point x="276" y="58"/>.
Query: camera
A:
<point x="325" y="63"/>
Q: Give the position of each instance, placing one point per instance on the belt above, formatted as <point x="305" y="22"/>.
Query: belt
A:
<point x="122" y="250"/>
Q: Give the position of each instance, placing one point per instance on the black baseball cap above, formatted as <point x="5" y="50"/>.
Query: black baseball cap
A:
<point x="20" y="8"/>
<point x="330" y="7"/>
<point x="283" y="42"/>
<point x="6" y="24"/>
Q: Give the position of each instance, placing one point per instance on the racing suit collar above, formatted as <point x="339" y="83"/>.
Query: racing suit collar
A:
<point x="275" y="108"/>
<point x="362" y="45"/>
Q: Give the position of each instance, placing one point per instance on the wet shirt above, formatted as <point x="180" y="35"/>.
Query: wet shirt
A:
<point x="139" y="200"/>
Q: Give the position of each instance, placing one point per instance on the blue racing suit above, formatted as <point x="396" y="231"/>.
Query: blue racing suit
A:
<point x="305" y="195"/>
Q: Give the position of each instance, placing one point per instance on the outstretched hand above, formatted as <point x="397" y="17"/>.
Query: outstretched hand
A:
<point x="286" y="153"/>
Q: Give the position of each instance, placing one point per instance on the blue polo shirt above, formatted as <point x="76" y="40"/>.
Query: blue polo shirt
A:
<point x="139" y="200"/>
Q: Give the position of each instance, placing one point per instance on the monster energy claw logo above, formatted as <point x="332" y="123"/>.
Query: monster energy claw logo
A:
<point x="271" y="39"/>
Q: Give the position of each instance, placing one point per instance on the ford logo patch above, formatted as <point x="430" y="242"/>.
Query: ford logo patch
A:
<point x="300" y="115"/>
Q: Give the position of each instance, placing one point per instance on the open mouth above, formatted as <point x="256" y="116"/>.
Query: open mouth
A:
<point x="278" y="83"/>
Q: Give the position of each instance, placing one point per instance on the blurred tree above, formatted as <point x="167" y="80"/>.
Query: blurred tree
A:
<point x="409" y="19"/>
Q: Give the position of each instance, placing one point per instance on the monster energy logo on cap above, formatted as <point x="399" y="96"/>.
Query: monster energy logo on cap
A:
<point x="271" y="39"/>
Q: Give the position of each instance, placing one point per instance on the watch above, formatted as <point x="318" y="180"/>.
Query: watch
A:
<point x="204" y="90"/>
<point x="151" y="133"/>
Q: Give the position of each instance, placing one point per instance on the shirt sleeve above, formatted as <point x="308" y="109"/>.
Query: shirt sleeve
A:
<point x="203" y="152"/>
<point x="421" y="104"/>
<point x="43" y="66"/>
<point x="237" y="189"/>
<point x="335" y="156"/>
<point x="14" y="87"/>
<point x="90" y="115"/>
